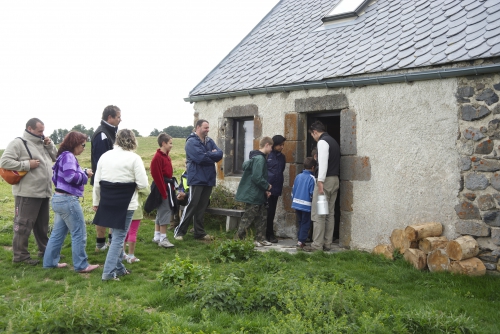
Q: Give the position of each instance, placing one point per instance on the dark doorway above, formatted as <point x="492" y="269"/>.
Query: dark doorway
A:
<point x="331" y="120"/>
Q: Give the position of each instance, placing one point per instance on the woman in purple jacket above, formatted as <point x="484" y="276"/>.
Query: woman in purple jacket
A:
<point x="69" y="179"/>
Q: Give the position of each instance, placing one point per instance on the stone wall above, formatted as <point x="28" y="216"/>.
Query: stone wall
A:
<point x="478" y="143"/>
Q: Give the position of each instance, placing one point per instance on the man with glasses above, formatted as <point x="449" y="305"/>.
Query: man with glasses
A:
<point x="33" y="153"/>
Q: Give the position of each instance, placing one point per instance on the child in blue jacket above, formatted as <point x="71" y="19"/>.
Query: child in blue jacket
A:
<point x="302" y="194"/>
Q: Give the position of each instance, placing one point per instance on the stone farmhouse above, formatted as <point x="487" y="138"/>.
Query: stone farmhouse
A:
<point x="409" y="89"/>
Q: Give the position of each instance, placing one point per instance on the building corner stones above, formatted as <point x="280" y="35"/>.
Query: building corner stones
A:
<point x="478" y="144"/>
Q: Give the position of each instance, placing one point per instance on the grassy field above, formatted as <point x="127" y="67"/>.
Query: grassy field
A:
<point x="227" y="287"/>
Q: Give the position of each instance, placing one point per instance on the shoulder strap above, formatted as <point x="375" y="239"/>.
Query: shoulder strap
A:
<point x="26" y="145"/>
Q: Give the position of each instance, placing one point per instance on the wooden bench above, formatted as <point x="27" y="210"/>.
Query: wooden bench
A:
<point x="233" y="217"/>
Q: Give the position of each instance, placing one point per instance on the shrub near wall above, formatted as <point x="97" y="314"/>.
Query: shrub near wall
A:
<point x="478" y="142"/>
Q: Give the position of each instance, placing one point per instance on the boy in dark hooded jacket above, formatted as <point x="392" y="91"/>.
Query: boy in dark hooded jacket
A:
<point x="254" y="190"/>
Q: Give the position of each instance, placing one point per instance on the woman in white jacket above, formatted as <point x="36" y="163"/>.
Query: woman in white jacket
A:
<point x="120" y="174"/>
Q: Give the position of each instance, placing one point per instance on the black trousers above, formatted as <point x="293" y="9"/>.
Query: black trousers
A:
<point x="272" y="201"/>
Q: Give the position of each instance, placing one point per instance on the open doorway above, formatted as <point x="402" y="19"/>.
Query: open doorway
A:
<point x="331" y="120"/>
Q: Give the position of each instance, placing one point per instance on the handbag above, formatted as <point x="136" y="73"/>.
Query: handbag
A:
<point x="14" y="176"/>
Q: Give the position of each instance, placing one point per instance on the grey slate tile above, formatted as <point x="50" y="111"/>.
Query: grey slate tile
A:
<point x="476" y="19"/>
<point x="483" y="48"/>
<point x="439" y="41"/>
<point x="475" y="27"/>
<point x="475" y="35"/>
<point x="437" y="58"/>
<point x="451" y="11"/>
<point x="440" y="32"/>
<point x="406" y="61"/>
<point x="474" y="43"/>
<point x="373" y="66"/>
<point x="493" y="25"/>
<point x="466" y="3"/>
<point x="447" y="4"/>
<point x="422" y="43"/>
<point x="474" y="12"/>
<point x="492" y="18"/>
<point x="406" y="53"/>
<point x="389" y="63"/>
<point x="493" y="41"/>
<point x="424" y="51"/>
<point x="419" y="61"/>
<point x="390" y="55"/>
<point x="492" y="33"/>
<point x="392" y="48"/>
<point x="493" y="9"/>
<point x="439" y="49"/>
<point x="456" y="30"/>
<point x="454" y="47"/>
<point x="495" y="51"/>
<point x="457" y="55"/>
<point x="456" y="38"/>
<point x="490" y="3"/>
<point x="437" y="16"/>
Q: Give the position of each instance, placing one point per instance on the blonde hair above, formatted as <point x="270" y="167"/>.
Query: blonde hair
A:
<point x="264" y="141"/>
<point x="125" y="138"/>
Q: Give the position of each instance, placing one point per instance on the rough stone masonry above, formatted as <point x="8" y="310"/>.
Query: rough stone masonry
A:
<point x="478" y="143"/>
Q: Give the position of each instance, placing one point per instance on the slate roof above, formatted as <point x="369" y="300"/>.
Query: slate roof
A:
<point x="289" y="46"/>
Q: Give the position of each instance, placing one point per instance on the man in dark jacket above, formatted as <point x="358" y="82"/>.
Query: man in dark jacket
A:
<point x="275" y="168"/>
<point x="102" y="141"/>
<point x="253" y="190"/>
<point x="201" y="156"/>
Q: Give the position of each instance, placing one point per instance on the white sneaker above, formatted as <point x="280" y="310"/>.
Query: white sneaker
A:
<point x="258" y="244"/>
<point x="156" y="240"/>
<point x="101" y="249"/>
<point x="165" y="243"/>
<point x="207" y="237"/>
<point x="266" y="243"/>
<point x="132" y="259"/>
<point x="180" y="238"/>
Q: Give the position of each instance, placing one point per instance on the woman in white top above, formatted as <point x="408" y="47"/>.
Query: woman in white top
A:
<point x="120" y="174"/>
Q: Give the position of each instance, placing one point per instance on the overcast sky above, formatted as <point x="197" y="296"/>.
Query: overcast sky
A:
<point x="64" y="61"/>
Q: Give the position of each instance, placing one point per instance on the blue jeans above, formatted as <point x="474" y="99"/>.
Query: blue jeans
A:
<point x="113" y="267"/>
<point x="68" y="217"/>
<point x="304" y="220"/>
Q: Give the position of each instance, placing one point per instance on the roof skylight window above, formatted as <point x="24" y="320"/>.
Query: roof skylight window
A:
<point x="346" y="9"/>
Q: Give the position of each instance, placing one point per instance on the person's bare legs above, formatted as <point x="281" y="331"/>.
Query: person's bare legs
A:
<point x="100" y="232"/>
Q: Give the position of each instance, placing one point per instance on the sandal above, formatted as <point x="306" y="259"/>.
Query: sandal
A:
<point x="132" y="259"/>
<point x="89" y="268"/>
<point x="62" y="265"/>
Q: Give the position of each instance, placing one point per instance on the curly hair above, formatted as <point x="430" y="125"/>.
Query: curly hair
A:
<point x="71" y="141"/>
<point x="125" y="138"/>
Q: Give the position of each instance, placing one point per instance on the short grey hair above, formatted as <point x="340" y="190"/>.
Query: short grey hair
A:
<point x="125" y="138"/>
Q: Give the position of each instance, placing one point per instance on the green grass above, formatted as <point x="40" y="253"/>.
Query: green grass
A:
<point x="349" y="292"/>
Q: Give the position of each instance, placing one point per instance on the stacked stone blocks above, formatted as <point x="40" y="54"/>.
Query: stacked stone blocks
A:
<point x="478" y="143"/>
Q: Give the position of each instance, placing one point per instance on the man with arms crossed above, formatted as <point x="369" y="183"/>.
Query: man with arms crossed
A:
<point x="102" y="141"/>
<point x="327" y="184"/>
<point x="32" y="194"/>
<point x="201" y="156"/>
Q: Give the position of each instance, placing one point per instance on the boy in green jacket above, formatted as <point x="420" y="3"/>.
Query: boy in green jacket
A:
<point x="254" y="190"/>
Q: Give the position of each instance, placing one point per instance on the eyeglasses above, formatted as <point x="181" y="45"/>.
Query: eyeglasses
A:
<point x="83" y="144"/>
